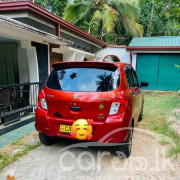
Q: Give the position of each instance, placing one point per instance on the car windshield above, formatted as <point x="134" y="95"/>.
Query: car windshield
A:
<point x="84" y="79"/>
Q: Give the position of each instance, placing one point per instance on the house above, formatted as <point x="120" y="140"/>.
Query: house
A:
<point x="31" y="39"/>
<point x="84" y="45"/>
<point x="157" y="61"/>
<point x="118" y="51"/>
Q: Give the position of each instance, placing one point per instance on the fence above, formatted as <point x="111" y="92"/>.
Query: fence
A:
<point x="17" y="100"/>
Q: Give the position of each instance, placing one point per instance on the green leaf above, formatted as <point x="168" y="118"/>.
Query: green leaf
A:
<point x="110" y="18"/>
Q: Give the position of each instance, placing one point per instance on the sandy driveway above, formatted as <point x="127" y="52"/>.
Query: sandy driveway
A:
<point x="52" y="163"/>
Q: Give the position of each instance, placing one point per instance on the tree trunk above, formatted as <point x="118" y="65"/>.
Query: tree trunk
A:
<point x="169" y="7"/>
<point x="150" y="23"/>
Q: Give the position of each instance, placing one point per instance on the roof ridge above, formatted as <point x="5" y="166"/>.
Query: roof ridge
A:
<point x="157" y="37"/>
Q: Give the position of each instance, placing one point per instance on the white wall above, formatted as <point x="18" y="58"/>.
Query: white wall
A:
<point x="90" y="57"/>
<point x="118" y="51"/>
<point x="134" y="60"/>
<point x="79" y="57"/>
<point x="69" y="56"/>
<point x="23" y="65"/>
<point x="32" y="61"/>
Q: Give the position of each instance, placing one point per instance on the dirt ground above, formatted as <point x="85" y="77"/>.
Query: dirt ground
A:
<point x="147" y="161"/>
<point x="12" y="149"/>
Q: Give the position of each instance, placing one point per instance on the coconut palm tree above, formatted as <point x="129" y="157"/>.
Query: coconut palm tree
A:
<point x="101" y="16"/>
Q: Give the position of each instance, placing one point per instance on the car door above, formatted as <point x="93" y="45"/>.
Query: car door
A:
<point x="134" y="92"/>
<point x="137" y="92"/>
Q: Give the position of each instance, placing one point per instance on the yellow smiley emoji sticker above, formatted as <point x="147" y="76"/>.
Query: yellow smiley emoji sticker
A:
<point x="82" y="129"/>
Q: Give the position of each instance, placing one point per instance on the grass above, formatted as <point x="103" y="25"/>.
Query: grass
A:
<point x="157" y="108"/>
<point x="7" y="158"/>
<point x="177" y="116"/>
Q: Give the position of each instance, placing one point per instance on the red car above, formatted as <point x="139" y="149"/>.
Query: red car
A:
<point x="105" y="94"/>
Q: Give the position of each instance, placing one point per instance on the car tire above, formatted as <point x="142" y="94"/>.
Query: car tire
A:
<point x="46" y="140"/>
<point x="124" y="150"/>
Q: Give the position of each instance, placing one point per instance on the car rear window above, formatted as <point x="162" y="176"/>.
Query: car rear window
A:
<point x="83" y="79"/>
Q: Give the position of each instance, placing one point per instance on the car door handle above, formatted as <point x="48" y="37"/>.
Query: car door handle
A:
<point x="75" y="108"/>
<point x="132" y="93"/>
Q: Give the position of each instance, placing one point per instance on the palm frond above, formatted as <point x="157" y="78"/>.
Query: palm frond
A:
<point x="76" y="11"/>
<point x="140" y="29"/>
<point x="96" y="17"/>
<point x="132" y="27"/>
<point x="99" y="17"/>
<point x="129" y="12"/>
<point x="110" y="18"/>
<point x="127" y="8"/>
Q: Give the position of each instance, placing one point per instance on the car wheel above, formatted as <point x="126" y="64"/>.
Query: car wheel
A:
<point x="46" y="140"/>
<point x="124" y="150"/>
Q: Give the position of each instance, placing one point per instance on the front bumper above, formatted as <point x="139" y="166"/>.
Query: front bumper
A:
<point x="112" y="130"/>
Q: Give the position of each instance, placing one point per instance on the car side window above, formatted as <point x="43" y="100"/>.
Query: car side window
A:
<point x="130" y="78"/>
<point x="136" y="83"/>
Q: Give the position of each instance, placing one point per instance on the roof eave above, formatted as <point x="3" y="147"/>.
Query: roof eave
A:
<point x="18" y="26"/>
<point x="116" y="46"/>
<point x="153" y="48"/>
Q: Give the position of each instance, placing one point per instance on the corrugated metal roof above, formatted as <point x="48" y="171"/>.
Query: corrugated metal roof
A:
<point x="155" y="41"/>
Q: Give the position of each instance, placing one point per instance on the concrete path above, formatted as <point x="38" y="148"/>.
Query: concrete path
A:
<point x="62" y="161"/>
<point x="16" y="134"/>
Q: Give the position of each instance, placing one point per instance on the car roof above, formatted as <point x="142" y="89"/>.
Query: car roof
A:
<point x="90" y="63"/>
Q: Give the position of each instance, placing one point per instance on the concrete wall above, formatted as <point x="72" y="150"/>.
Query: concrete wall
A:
<point x="79" y="57"/>
<point x="69" y="56"/>
<point x="118" y="51"/>
<point x="79" y="42"/>
<point x="134" y="60"/>
<point x="23" y="65"/>
<point x="72" y="54"/>
<point x="42" y="62"/>
<point x="31" y="62"/>
<point x="36" y="24"/>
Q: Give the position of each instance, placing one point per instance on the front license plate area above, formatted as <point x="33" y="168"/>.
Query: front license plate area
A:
<point x="65" y="129"/>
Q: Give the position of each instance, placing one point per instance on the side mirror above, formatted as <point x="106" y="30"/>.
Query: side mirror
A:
<point x="144" y="84"/>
